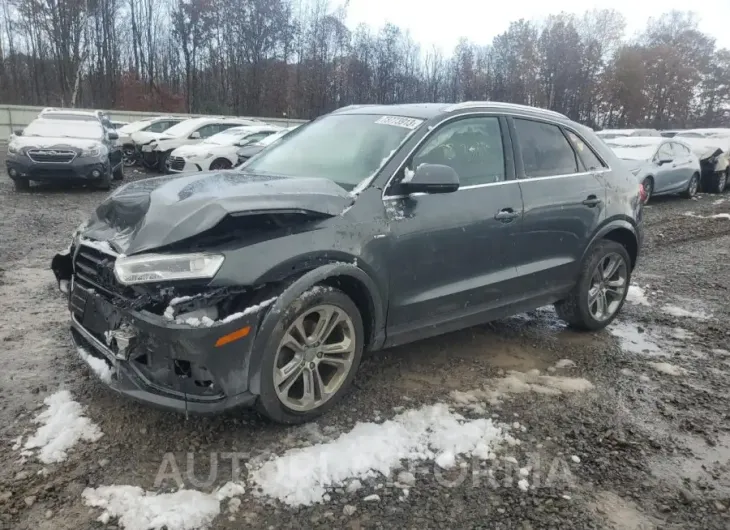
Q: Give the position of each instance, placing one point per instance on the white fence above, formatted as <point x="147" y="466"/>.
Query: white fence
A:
<point x="16" y="117"/>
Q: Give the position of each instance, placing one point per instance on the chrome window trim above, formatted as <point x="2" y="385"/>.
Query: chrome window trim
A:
<point x="495" y="113"/>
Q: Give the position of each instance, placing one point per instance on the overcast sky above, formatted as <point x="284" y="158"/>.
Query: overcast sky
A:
<point x="443" y="22"/>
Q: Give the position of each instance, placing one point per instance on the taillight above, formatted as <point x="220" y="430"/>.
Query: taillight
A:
<point x="642" y="193"/>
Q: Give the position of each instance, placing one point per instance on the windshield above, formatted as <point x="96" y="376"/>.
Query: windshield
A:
<point x="88" y="130"/>
<point x="344" y="148"/>
<point x="633" y="151"/>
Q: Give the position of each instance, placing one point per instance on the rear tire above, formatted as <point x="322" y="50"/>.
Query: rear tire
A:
<point x="577" y="309"/>
<point x="691" y="190"/>
<point x="275" y="403"/>
<point x="21" y="184"/>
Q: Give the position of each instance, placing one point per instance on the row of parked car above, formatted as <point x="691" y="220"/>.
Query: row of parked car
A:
<point x="88" y="147"/>
<point x="677" y="161"/>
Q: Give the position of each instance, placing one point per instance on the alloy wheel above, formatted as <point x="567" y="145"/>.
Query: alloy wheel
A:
<point x="314" y="357"/>
<point x="608" y="286"/>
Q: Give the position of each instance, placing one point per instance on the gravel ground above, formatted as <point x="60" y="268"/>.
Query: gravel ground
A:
<point x="652" y="441"/>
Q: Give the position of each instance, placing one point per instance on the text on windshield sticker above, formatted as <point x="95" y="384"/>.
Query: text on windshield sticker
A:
<point x="400" y="121"/>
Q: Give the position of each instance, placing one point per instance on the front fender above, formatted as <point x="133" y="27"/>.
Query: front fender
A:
<point x="295" y="290"/>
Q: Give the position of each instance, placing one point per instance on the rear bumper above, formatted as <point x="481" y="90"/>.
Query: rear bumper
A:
<point x="81" y="168"/>
<point x="159" y="361"/>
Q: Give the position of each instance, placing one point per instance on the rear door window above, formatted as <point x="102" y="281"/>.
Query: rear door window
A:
<point x="545" y="150"/>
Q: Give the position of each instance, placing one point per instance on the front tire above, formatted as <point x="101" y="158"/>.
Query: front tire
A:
<point x="220" y="163"/>
<point x="692" y="186"/>
<point x="311" y="357"/>
<point x="718" y="181"/>
<point x="163" y="162"/>
<point x="119" y="172"/>
<point x="105" y="181"/>
<point x="602" y="286"/>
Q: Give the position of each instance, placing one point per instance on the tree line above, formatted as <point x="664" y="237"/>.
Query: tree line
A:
<point x="298" y="58"/>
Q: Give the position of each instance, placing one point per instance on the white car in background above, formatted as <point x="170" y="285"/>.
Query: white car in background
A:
<point x="608" y="134"/>
<point x="156" y="151"/>
<point x="712" y="147"/>
<point x="155" y="126"/>
<point x="218" y="151"/>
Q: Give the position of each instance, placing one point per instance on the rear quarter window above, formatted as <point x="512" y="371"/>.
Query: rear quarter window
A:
<point x="585" y="152"/>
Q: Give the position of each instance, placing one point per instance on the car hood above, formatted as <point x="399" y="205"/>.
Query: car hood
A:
<point x="153" y="213"/>
<point x="142" y="137"/>
<point x="38" y="142"/>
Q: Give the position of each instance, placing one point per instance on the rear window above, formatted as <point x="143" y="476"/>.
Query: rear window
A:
<point x="545" y="150"/>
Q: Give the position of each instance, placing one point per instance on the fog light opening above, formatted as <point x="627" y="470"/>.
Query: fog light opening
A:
<point x="96" y="173"/>
<point x="13" y="172"/>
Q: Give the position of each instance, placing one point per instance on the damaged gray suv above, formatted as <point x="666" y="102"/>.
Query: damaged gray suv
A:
<point x="367" y="228"/>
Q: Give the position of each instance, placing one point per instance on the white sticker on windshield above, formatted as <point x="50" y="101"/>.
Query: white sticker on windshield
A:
<point x="400" y="121"/>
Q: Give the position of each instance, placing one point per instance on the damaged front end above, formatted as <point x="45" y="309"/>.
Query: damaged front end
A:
<point x="181" y="347"/>
<point x="171" y="335"/>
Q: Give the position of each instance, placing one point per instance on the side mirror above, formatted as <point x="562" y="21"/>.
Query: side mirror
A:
<point x="431" y="178"/>
<point x="18" y="132"/>
<point x="661" y="161"/>
<point x="113" y="135"/>
<point x="195" y="136"/>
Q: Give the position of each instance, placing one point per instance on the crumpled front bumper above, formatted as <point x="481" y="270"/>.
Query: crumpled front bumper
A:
<point x="156" y="360"/>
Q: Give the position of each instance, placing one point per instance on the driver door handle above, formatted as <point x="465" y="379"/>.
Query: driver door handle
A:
<point x="506" y="215"/>
<point x="592" y="201"/>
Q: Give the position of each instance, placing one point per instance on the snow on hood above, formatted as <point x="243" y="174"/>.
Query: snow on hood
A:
<point x="42" y="142"/>
<point x="706" y="147"/>
<point x="156" y="212"/>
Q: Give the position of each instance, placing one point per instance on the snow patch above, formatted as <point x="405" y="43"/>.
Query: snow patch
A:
<point x="668" y="369"/>
<point x="634" y="340"/>
<point x="564" y="363"/>
<point x="99" y="366"/>
<point x="677" y="311"/>
<point x="138" y="509"/>
<point x="101" y="246"/>
<point x="63" y="425"/>
<point x="248" y="311"/>
<point x="302" y="476"/>
<point x="637" y="296"/>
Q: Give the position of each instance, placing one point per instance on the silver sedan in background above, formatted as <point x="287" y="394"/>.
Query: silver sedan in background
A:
<point x="662" y="165"/>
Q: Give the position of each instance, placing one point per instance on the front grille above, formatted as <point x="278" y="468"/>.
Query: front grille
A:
<point x="94" y="269"/>
<point x="177" y="163"/>
<point x="51" y="155"/>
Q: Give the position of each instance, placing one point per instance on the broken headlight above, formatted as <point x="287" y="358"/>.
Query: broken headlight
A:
<point x="150" y="268"/>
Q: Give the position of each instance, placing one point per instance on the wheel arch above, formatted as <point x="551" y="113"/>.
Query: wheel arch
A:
<point x="350" y="279"/>
<point x="622" y="232"/>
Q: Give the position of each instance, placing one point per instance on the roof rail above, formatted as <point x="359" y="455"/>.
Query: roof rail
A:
<point x="502" y="105"/>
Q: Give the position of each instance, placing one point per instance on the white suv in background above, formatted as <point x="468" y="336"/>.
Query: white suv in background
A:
<point x="218" y="151"/>
<point x="156" y="152"/>
<point x="151" y="125"/>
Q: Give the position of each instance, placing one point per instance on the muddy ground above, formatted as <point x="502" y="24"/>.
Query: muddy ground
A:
<point x="653" y="440"/>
